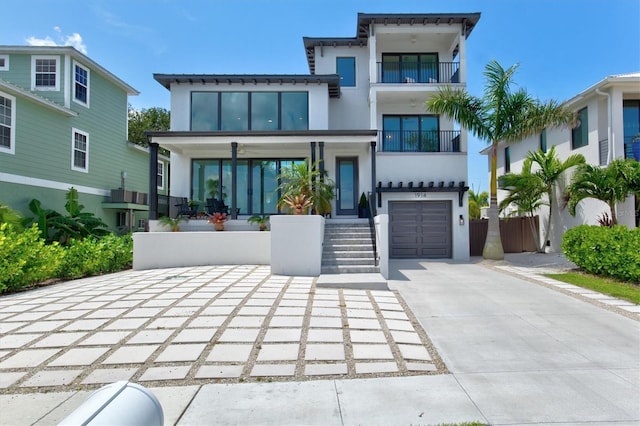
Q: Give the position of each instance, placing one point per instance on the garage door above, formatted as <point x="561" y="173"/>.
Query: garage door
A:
<point x="420" y="229"/>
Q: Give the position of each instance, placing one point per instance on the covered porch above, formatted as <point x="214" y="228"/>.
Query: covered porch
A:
<point x="241" y="168"/>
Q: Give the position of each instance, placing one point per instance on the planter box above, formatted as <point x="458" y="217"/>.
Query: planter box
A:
<point x="296" y="244"/>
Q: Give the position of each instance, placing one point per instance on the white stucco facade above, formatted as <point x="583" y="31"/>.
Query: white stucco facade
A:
<point x="604" y="103"/>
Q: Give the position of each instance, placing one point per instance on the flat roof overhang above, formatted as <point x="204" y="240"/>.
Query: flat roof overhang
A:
<point x="273" y="143"/>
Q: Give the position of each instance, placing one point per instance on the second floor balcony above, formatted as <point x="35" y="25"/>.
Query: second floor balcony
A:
<point x="419" y="141"/>
<point x="411" y="72"/>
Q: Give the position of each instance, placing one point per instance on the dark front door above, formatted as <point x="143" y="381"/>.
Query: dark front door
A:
<point x="347" y="186"/>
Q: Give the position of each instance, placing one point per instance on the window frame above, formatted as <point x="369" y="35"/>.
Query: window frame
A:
<point x="12" y="136"/>
<point x="76" y="83"/>
<point x="34" y="61"/>
<point x="355" y="74"/>
<point x="75" y="131"/>
<point x="580" y="136"/>
<point x="160" y="175"/>
<point x="401" y="131"/>
<point x="5" y="66"/>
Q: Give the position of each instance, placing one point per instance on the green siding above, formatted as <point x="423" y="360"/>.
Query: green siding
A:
<point x="43" y="143"/>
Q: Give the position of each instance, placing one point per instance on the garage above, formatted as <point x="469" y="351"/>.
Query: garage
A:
<point x="420" y="229"/>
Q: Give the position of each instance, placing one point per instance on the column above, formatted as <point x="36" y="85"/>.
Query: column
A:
<point x="321" y="159"/>
<point x="234" y="179"/>
<point x="153" y="181"/>
<point x="373" y="178"/>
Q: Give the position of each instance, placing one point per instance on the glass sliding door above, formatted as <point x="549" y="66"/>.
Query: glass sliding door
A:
<point x="242" y="179"/>
<point x="264" y="187"/>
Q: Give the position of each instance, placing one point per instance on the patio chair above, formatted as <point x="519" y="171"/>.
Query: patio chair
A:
<point x="216" y="206"/>
<point x="184" y="209"/>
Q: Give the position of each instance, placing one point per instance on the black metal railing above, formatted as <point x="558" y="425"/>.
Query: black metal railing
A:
<point x="632" y="147"/>
<point x="419" y="141"/>
<point x="415" y="72"/>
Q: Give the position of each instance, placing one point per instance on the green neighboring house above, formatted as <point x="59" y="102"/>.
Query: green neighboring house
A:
<point x="63" y="123"/>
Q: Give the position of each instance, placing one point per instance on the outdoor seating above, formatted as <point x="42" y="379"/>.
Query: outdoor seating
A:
<point x="216" y="206"/>
<point x="184" y="209"/>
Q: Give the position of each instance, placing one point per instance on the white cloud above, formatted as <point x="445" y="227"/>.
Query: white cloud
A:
<point x="74" y="40"/>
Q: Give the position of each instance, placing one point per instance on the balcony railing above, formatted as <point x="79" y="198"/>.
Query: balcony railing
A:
<point x="415" y="72"/>
<point x="419" y="141"/>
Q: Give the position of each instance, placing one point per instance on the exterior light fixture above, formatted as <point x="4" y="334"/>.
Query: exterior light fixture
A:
<point x="461" y="220"/>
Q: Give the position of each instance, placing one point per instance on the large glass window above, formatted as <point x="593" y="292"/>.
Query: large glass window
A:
<point x="234" y="111"/>
<point x="580" y="133"/>
<point x="410" y="68"/>
<point x="410" y="133"/>
<point x="257" y="183"/>
<point x="507" y="160"/>
<point x="204" y="111"/>
<point x="631" y="126"/>
<point x="295" y="111"/>
<point x="346" y="68"/>
<point x="212" y="111"/>
<point x="264" y="111"/>
<point x="7" y="123"/>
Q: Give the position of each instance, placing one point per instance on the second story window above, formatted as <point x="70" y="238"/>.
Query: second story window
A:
<point x="410" y="133"/>
<point x="80" y="151"/>
<point x="7" y="123"/>
<point x="242" y="111"/>
<point x="507" y="160"/>
<point x="160" y="175"/>
<point x="580" y="133"/>
<point x="346" y="68"/>
<point x="81" y="86"/>
<point x="45" y="73"/>
<point x="543" y="140"/>
<point x="4" y="62"/>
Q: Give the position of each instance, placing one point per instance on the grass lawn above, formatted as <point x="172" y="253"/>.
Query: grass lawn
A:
<point x="621" y="290"/>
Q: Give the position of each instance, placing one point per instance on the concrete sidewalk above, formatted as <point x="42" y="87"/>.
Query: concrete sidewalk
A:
<point x="518" y="353"/>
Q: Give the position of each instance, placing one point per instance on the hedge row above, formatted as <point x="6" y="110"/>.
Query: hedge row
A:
<point x="27" y="260"/>
<point x="600" y="250"/>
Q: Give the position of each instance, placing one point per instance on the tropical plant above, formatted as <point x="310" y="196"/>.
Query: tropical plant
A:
<point x="528" y="190"/>
<point x="172" y="223"/>
<point x="302" y="186"/>
<point x="218" y="217"/>
<point x="612" y="184"/>
<point x="501" y="115"/>
<point x="261" y="221"/>
<point x="476" y="202"/>
<point x="11" y="217"/>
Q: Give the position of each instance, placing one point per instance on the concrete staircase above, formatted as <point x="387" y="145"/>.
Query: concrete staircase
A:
<point x="348" y="247"/>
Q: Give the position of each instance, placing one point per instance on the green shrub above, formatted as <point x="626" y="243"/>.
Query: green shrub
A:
<point x="92" y="256"/>
<point x="612" y="252"/>
<point x="26" y="259"/>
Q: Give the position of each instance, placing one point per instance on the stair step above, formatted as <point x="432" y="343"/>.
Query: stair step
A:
<point x="349" y="269"/>
<point x="347" y="253"/>
<point x="348" y="261"/>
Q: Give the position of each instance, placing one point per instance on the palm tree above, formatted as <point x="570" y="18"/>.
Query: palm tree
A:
<point x="476" y="202"/>
<point x="530" y="190"/>
<point x="303" y="185"/>
<point x="612" y="184"/>
<point x="501" y="115"/>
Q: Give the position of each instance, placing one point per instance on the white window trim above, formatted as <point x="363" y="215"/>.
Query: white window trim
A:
<point x="161" y="173"/>
<point x="12" y="140"/>
<point x="4" y="67"/>
<point x="73" y="149"/>
<point x="33" y="73"/>
<point x="77" y="64"/>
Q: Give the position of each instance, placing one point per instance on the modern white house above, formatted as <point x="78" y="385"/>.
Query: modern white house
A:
<point x="608" y="128"/>
<point x="360" y="113"/>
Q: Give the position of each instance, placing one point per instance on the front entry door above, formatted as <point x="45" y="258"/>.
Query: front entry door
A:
<point x="347" y="185"/>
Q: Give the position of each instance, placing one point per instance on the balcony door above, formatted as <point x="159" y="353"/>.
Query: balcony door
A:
<point x="347" y="186"/>
<point x="410" y="68"/>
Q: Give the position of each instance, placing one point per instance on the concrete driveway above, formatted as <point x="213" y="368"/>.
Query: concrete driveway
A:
<point x="518" y="352"/>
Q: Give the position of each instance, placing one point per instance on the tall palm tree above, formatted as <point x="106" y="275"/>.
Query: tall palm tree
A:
<point x="530" y="190"/>
<point x="612" y="184"/>
<point x="476" y="203"/>
<point x="501" y="115"/>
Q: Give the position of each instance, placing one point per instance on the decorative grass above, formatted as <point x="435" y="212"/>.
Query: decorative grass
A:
<point x="611" y="287"/>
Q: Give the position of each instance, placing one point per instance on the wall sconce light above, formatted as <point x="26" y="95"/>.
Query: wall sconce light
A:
<point x="461" y="220"/>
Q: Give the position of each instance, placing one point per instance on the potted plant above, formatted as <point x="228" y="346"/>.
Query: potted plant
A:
<point x="303" y="186"/>
<point x="261" y="221"/>
<point x="218" y="220"/>
<point x="363" y="207"/>
<point x="172" y="223"/>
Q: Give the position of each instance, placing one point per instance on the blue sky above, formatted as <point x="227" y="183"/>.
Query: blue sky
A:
<point x="562" y="46"/>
